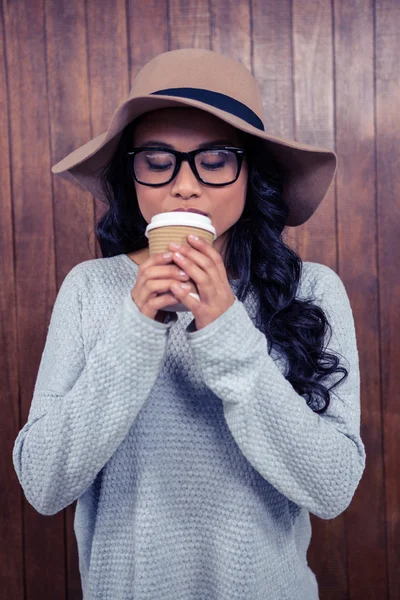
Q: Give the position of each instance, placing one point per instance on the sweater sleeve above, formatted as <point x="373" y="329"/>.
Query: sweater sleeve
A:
<point x="315" y="460"/>
<point x="83" y="407"/>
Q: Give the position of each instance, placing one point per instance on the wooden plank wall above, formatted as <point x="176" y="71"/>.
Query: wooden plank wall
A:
<point x="329" y="75"/>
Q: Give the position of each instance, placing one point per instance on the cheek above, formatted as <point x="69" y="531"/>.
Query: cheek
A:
<point x="243" y="181"/>
<point x="227" y="209"/>
<point x="238" y="196"/>
<point x="147" y="201"/>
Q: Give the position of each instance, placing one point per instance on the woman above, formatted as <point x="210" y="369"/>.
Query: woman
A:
<point x="198" y="445"/>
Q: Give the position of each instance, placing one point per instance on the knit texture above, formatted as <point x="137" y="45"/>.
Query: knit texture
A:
<point x="194" y="461"/>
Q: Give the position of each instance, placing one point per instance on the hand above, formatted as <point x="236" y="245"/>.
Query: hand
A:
<point x="205" y="267"/>
<point x="150" y="292"/>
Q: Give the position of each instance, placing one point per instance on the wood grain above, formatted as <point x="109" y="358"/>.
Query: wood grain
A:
<point x="68" y="93"/>
<point x="314" y="119"/>
<point x="328" y="74"/>
<point x="272" y="63"/>
<point x="388" y="213"/>
<point x="231" y="29"/>
<point x="189" y="24"/>
<point x="107" y="39"/>
<point x="35" y="275"/>
<point x="11" y="499"/>
<point x="148" y="29"/>
<point x="316" y="240"/>
<point x="357" y="235"/>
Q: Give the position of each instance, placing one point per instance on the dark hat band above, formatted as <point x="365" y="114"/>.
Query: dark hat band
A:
<point x="222" y="101"/>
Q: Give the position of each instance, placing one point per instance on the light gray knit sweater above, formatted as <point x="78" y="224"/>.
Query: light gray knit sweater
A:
<point x="194" y="461"/>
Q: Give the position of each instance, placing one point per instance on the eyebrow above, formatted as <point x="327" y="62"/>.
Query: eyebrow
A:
<point x="204" y="145"/>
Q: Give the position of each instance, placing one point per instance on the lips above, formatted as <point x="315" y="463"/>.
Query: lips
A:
<point x="192" y="210"/>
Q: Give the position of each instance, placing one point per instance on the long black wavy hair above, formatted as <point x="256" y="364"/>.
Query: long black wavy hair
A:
<point x="256" y="250"/>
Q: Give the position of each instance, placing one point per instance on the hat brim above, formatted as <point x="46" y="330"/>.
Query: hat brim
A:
<point x="309" y="170"/>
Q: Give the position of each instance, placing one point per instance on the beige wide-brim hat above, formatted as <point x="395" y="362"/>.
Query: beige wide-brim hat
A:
<point x="222" y="87"/>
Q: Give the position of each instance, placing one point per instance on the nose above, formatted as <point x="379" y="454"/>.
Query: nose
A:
<point x="185" y="183"/>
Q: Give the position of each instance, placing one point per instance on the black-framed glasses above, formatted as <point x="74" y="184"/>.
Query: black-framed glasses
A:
<point x="216" y="166"/>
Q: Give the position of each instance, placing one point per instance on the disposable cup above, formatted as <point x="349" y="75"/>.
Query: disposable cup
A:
<point x="175" y="227"/>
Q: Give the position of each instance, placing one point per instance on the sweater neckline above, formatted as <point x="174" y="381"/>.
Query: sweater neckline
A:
<point x="129" y="261"/>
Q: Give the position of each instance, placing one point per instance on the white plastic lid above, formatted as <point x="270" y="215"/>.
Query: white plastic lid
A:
<point x="166" y="219"/>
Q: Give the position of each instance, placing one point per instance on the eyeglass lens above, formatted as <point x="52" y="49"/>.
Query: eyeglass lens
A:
<point x="214" y="166"/>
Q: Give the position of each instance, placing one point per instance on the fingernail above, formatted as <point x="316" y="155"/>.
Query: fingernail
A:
<point x="195" y="296"/>
<point x="167" y="255"/>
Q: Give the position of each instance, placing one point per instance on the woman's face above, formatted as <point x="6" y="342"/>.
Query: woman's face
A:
<point x="186" y="129"/>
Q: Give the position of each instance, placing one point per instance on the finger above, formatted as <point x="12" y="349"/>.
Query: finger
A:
<point x="171" y="271"/>
<point x="188" y="298"/>
<point x="203" y="261"/>
<point x="162" y="300"/>
<point x="204" y="255"/>
<point x="206" y="249"/>
<point x="202" y="275"/>
<point x="156" y="259"/>
<point x="158" y="286"/>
